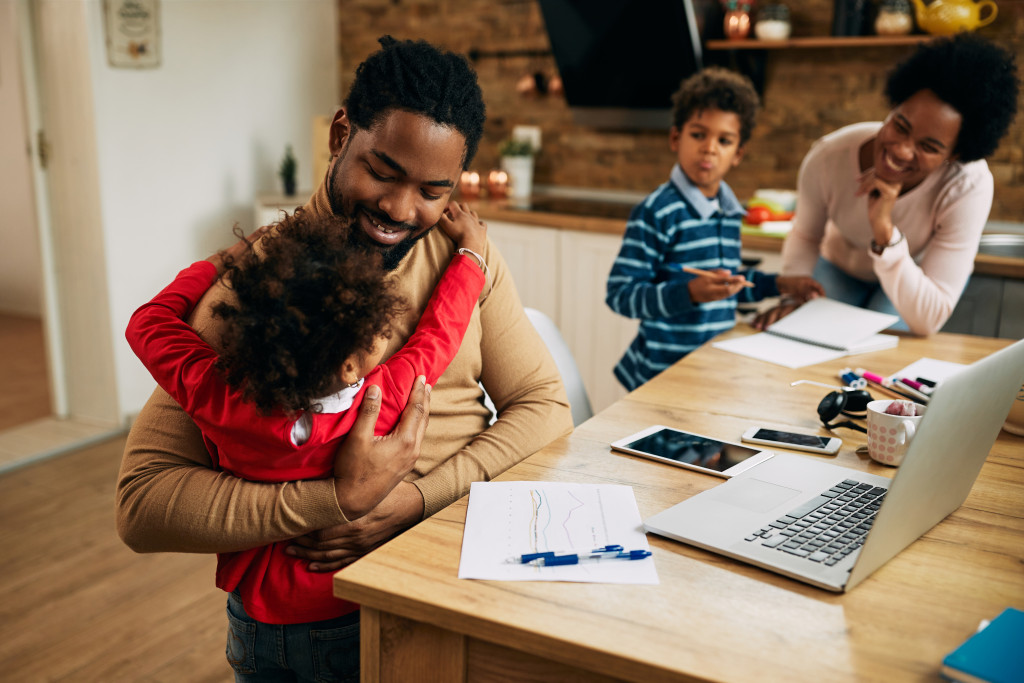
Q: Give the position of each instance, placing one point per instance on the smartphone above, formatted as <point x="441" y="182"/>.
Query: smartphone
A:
<point x="828" y="445"/>
<point x="692" y="451"/>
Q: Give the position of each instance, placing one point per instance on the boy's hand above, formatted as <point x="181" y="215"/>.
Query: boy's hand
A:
<point x="801" y="288"/>
<point x="704" y="289"/>
<point x="236" y="250"/>
<point x="464" y="227"/>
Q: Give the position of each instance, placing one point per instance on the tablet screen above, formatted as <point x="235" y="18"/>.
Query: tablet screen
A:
<point x="691" y="449"/>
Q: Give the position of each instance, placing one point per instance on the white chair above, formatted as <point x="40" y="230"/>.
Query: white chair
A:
<point x="574" y="388"/>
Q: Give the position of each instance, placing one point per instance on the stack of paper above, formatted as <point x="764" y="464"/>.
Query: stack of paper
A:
<point x="820" y="330"/>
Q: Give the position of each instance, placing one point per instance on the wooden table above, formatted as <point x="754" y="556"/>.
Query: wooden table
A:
<point x="711" y="618"/>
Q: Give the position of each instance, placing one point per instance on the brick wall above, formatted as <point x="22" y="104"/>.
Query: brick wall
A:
<point x="808" y="92"/>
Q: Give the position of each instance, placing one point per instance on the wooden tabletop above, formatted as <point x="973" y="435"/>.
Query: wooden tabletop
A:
<point x="711" y="618"/>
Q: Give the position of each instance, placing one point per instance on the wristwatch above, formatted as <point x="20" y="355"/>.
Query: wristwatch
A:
<point x="896" y="238"/>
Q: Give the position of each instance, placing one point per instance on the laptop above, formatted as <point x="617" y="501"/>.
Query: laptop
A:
<point x="806" y="519"/>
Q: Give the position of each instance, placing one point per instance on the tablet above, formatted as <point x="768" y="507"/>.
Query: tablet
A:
<point x="692" y="451"/>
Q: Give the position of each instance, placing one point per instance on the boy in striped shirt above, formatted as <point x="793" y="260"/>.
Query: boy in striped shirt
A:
<point x="693" y="221"/>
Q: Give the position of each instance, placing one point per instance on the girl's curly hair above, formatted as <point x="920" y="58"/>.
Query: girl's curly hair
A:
<point x="308" y="303"/>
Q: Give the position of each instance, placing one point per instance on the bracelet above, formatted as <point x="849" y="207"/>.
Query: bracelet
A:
<point x="897" y="237"/>
<point x="479" y="259"/>
<point x="483" y="266"/>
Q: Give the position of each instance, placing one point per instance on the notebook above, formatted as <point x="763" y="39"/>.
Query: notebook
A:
<point x="993" y="654"/>
<point x="743" y="517"/>
<point x="822" y="329"/>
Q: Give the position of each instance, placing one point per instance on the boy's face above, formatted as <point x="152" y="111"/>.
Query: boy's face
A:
<point x="707" y="147"/>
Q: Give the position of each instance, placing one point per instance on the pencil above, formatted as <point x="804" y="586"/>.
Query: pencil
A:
<point x="708" y="273"/>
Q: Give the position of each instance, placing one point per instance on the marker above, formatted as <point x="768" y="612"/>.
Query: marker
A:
<point x="708" y="273"/>
<point x="884" y="384"/>
<point x="852" y="379"/>
<point x="911" y="383"/>
<point x="907" y="389"/>
<point x="927" y="382"/>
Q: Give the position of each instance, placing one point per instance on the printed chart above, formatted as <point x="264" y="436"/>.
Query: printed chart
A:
<point x="508" y="519"/>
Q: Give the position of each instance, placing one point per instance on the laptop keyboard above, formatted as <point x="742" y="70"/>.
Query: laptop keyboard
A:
<point x="828" y="527"/>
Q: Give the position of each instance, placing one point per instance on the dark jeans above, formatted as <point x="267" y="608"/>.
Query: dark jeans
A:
<point x="321" y="651"/>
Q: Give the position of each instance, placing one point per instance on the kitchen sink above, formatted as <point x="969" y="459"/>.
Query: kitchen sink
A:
<point x="995" y="244"/>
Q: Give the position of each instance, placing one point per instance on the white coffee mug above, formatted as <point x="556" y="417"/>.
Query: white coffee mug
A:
<point x="1015" y="420"/>
<point x="890" y="435"/>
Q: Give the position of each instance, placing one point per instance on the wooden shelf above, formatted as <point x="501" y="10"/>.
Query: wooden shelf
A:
<point x="818" y="42"/>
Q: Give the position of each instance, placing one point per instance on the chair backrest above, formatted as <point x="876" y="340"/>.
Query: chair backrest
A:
<point x="574" y="388"/>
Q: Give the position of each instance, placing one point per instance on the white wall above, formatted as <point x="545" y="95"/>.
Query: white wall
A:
<point x="185" y="148"/>
<point x="20" y="270"/>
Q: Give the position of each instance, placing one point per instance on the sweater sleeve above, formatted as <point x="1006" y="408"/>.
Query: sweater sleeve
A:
<point x="184" y="366"/>
<point x="926" y="292"/>
<point x="522" y="380"/>
<point x="633" y="289"/>
<point x="442" y="326"/>
<point x="802" y="245"/>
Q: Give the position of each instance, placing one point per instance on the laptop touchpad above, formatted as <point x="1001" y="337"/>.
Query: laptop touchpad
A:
<point x="752" y="494"/>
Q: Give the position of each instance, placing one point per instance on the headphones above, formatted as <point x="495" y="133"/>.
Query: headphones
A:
<point x="853" y="403"/>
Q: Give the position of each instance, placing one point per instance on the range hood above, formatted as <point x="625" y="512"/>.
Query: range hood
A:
<point x="621" y="60"/>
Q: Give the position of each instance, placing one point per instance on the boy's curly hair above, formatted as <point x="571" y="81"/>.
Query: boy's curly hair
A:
<point x="717" y="88"/>
<point x="308" y="303"/>
<point x="417" y="77"/>
<point x="970" y="74"/>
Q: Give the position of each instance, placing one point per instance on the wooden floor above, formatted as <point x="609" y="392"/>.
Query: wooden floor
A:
<point x="24" y="390"/>
<point x="77" y="605"/>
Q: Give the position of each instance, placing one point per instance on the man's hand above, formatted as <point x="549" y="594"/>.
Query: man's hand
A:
<point x="800" y="288"/>
<point x="704" y="289"/>
<point x="329" y="550"/>
<point x="367" y="467"/>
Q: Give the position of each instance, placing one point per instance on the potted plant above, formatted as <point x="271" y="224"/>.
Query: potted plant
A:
<point x="517" y="162"/>
<point x="287" y="171"/>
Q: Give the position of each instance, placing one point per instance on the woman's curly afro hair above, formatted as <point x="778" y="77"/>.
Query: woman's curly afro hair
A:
<point x="973" y="76"/>
<point x="307" y="303"/>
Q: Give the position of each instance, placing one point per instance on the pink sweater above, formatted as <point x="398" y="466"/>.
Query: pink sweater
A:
<point x="942" y="220"/>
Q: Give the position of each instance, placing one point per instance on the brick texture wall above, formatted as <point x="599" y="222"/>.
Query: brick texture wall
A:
<point x="808" y="92"/>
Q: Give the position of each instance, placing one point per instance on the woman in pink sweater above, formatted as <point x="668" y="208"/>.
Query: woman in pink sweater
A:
<point x="889" y="214"/>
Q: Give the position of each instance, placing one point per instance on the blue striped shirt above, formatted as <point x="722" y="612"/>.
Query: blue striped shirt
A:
<point x="676" y="226"/>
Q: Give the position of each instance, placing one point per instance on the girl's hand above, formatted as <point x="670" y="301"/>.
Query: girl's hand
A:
<point x="801" y="288"/>
<point x="464" y="227"/>
<point x="236" y="250"/>
<point x="881" y="198"/>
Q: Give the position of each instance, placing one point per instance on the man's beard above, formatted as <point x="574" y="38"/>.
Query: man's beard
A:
<point x="391" y="256"/>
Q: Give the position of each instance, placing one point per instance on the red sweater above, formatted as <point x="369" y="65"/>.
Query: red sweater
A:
<point x="277" y="588"/>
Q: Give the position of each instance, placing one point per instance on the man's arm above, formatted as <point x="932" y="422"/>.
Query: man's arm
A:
<point x="170" y="499"/>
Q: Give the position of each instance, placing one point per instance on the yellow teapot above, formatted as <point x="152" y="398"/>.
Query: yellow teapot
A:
<point x="946" y="17"/>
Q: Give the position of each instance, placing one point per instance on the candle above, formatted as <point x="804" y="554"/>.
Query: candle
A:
<point x="497" y="183"/>
<point x="469" y="184"/>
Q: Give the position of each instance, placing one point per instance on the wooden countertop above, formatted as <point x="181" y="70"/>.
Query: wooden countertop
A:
<point x="614" y="223"/>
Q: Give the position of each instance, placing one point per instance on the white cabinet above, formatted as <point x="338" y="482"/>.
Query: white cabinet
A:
<point x="563" y="273"/>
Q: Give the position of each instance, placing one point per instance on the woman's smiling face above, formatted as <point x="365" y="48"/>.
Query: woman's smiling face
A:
<point x="917" y="137"/>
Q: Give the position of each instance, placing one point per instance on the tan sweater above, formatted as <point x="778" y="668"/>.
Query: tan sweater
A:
<point x="169" y="499"/>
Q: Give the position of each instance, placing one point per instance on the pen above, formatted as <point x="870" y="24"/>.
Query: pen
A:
<point x="907" y="389"/>
<point x="883" y="384"/>
<point x="530" y="557"/>
<point x="557" y="560"/>
<point x="708" y="273"/>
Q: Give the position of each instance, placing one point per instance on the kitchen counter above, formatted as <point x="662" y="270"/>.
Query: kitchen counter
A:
<point x="604" y="216"/>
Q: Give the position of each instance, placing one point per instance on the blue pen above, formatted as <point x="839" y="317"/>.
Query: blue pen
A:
<point x="532" y="557"/>
<point x="551" y="559"/>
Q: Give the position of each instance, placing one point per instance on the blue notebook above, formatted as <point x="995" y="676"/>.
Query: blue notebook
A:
<point x="992" y="655"/>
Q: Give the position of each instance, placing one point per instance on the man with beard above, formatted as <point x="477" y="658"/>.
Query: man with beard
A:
<point x="411" y="123"/>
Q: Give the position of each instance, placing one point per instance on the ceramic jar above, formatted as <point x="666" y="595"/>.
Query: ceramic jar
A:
<point x="894" y="18"/>
<point x="772" y="23"/>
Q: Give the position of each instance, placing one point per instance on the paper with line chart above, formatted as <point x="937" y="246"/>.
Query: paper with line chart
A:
<point x="510" y="518"/>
